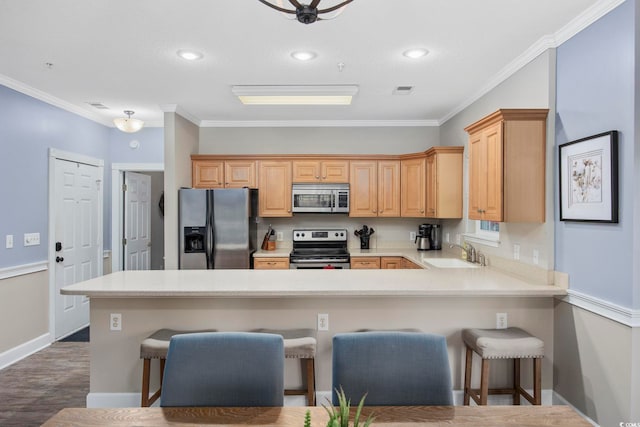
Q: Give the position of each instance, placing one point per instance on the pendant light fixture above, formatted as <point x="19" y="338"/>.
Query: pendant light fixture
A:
<point x="127" y="124"/>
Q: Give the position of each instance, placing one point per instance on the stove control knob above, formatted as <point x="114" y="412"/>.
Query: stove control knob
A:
<point x="302" y="234"/>
<point x="336" y="234"/>
<point x="341" y="234"/>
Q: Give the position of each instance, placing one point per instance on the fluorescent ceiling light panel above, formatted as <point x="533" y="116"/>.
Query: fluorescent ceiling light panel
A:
<point x="295" y="95"/>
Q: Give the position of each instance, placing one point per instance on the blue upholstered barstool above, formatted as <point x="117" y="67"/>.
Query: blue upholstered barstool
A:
<point x="224" y="369"/>
<point x="509" y="343"/>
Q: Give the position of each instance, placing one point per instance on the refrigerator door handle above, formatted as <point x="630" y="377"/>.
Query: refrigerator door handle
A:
<point x="210" y="232"/>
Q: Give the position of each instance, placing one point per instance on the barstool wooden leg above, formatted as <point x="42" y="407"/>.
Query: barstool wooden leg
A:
<point x="537" y="381"/>
<point x="146" y="373"/>
<point x="516" y="381"/>
<point x="467" y="374"/>
<point x="484" y="382"/>
<point x="311" y="382"/>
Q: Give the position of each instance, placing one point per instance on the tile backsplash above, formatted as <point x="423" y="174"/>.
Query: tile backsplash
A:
<point x="389" y="232"/>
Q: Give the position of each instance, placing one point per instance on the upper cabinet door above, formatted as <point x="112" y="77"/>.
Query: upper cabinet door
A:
<point x="274" y="180"/>
<point x="363" y="187"/>
<point x="444" y="182"/>
<point x="413" y="188"/>
<point x="389" y="188"/>
<point x="207" y="174"/>
<point x="315" y="171"/>
<point x="240" y="173"/>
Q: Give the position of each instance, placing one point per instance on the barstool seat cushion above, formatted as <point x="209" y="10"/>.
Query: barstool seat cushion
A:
<point x="509" y="343"/>
<point x="156" y="345"/>
<point x="298" y="343"/>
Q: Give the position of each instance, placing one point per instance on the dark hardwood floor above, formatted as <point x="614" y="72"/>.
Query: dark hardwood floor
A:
<point x="35" y="388"/>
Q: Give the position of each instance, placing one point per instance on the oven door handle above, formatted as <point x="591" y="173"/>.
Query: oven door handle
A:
<point x="319" y="260"/>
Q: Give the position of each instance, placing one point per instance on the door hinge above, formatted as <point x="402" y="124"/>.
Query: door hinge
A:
<point x="124" y="241"/>
<point x="124" y="187"/>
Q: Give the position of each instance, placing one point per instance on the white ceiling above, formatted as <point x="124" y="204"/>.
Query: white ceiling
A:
<point x="122" y="53"/>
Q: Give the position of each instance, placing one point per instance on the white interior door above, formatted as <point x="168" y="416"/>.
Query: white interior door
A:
<point x="137" y="221"/>
<point x="77" y="213"/>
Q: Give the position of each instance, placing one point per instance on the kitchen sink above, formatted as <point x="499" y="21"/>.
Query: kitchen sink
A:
<point x="449" y="263"/>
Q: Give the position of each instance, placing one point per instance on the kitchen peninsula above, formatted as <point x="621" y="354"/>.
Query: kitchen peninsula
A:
<point x="441" y="301"/>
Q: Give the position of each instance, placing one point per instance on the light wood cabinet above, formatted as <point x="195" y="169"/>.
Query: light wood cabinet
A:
<point x="223" y="174"/>
<point x="313" y="171"/>
<point x="274" y="178"/>
<point x="410" y="265"/>
<point x="207" y="174"/>
<point x="412" y="184"/>
<point x="363" y="263"/>
<point x="444" y="182"/>
<point x="507" y="152"/>
<point x="271" y="263"/>
<point x="374" y="188"/>
<point x="391" y="262"/>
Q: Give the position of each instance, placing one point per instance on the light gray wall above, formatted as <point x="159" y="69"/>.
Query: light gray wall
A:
<point x="318" y="140"/>
<point x="533" y="86"/>
<point x="180" y="142"/>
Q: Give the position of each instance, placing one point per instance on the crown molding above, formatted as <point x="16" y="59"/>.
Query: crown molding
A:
<point x="579" y="23"/>
<point x="52" y="100"/>
<point x="316" y="123"/>
<point x="175" y="108"/>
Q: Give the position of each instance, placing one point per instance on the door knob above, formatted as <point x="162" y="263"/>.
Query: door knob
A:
<point x="59" y="259"/>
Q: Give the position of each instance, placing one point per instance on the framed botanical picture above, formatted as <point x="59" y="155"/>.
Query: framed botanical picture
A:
<point x="589" y="179"/>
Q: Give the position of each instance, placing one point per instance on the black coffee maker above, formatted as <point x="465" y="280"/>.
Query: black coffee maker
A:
<point x="423" y="237"/>
<point x="364" y="233"/>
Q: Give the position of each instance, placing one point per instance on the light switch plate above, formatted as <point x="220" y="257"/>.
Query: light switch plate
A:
<point x="31" y="239"/>
<point x="9" y="241"/>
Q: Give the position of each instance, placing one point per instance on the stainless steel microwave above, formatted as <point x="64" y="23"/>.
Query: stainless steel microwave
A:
<point x="320" y="198"/>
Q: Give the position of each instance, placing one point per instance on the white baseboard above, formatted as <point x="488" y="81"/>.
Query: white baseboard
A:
<point x="15" y="354"/>
<point x="113" y="400"/>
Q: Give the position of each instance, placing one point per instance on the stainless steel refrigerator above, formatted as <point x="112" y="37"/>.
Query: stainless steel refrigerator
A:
<point x="218" y="228"/>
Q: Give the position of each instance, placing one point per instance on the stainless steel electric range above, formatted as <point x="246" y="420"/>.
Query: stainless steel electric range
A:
<point x="319" y="249"/>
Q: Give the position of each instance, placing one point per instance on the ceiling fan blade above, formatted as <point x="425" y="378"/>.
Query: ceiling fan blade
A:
<point x="314" y="4"/>
<point x="295" y="4"/>
<point x="278" y="8"/>
<point x="336" y="7"/>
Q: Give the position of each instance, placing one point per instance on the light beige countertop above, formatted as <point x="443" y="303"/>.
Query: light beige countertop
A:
<point x="477" y="282"/>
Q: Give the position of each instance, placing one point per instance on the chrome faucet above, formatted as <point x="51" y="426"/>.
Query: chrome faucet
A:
<point x="470" y="250"/>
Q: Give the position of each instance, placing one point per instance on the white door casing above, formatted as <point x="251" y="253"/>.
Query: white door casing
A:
<point x="78" y="228"/>
<point x="117" y="209"/>
<point x="137" y="221"/>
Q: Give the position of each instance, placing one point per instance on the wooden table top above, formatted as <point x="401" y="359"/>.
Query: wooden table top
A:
<point x="471" y="416"/>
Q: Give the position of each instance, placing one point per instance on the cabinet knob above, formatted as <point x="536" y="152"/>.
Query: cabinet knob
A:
<point x="381" y="211"/>
<point x="421" y="210"/>
<point x="373" y="210"/>
<point x="324" y="177"/>
<point x="317" y="177"/>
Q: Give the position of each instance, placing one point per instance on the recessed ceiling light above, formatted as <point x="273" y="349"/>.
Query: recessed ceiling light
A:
<point x="189" y="55"/>
<point x="303" y="55"/>
<point x="415" y="53"/>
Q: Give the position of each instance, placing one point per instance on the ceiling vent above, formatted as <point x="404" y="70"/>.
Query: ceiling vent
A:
<point x="403" y="90"/>
<point x="98" y="105"/>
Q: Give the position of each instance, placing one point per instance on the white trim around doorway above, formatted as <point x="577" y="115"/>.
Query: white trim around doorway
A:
<point x="117" y="222"/>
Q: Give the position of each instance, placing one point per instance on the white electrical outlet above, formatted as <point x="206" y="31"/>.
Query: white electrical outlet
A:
<point x="446" y="237"/>
<point x="536" y="256"/>
<point x="516" y="251"/>
<point x="323" y="321"/>
<point x="412" y="236"/>
<point x="115" y="322"/>
<point x="279" y="236"/>
<point x="9" y="241"/>
<point x="501" y="320"/>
